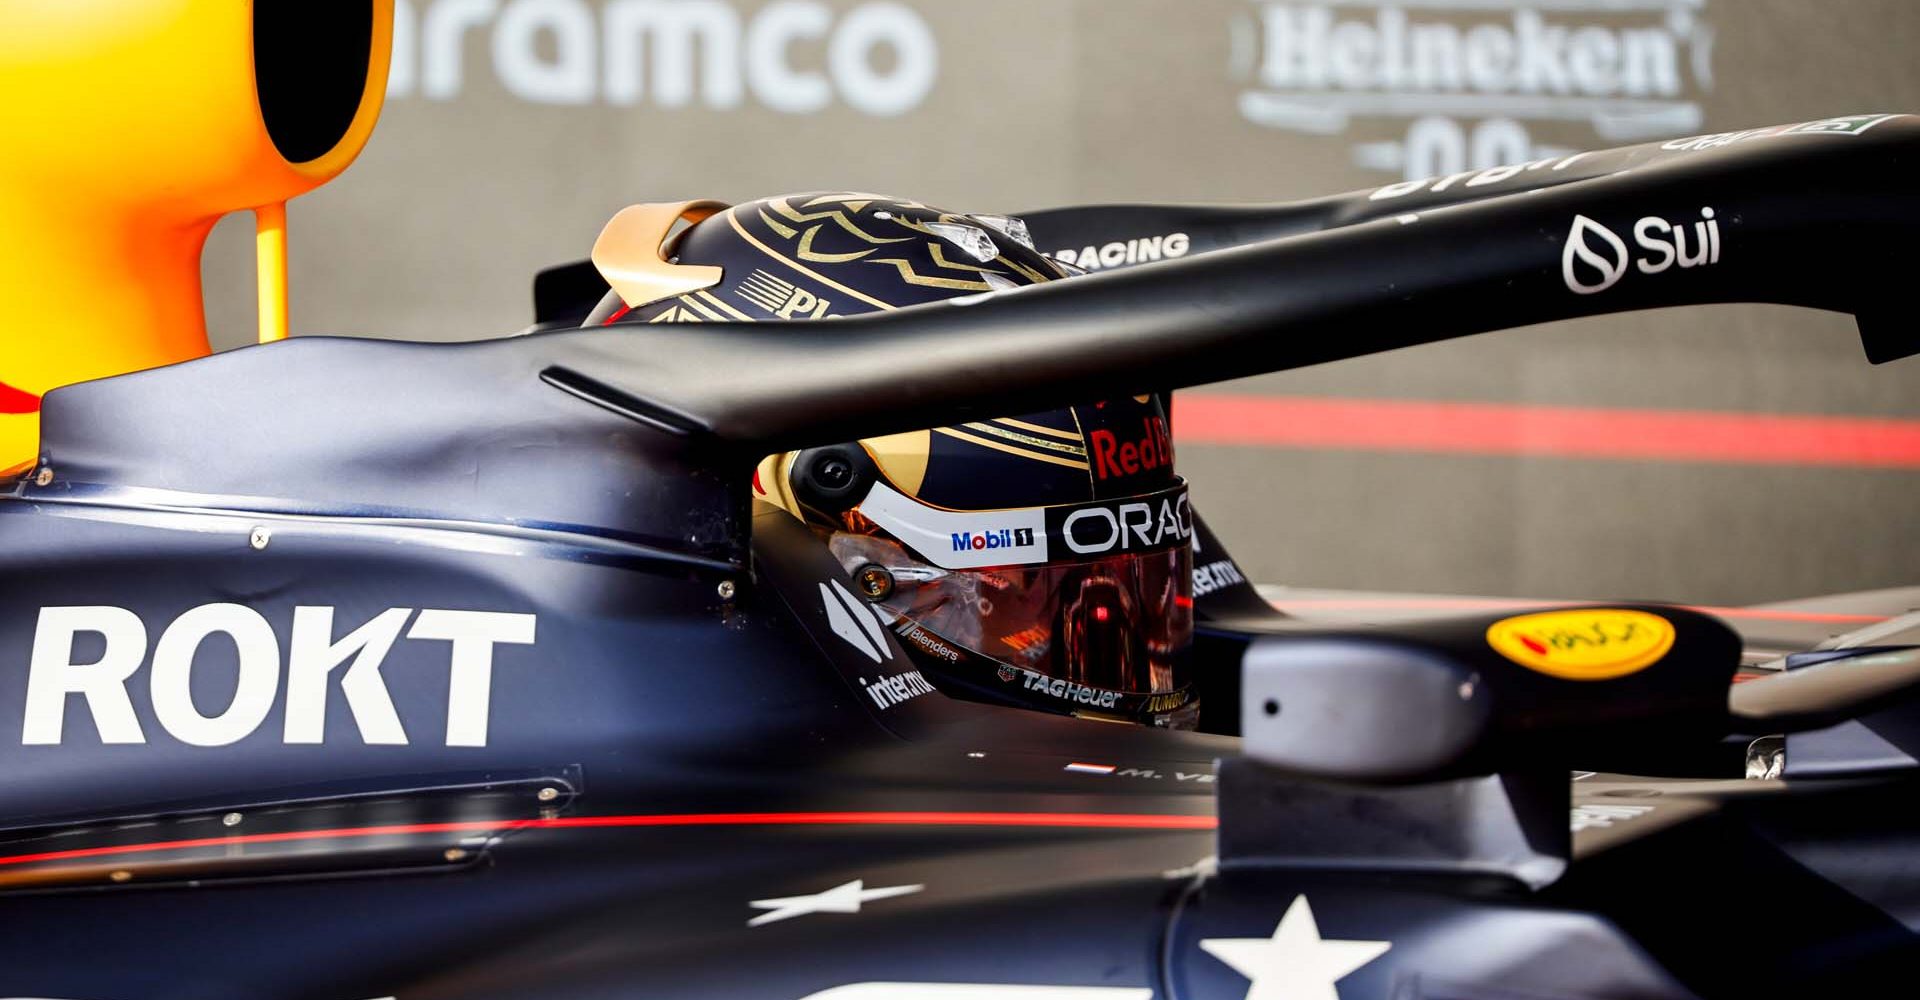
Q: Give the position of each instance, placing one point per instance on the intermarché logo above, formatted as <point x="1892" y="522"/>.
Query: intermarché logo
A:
<point x="1472" y="78"/>
<point x="879" y="58"/>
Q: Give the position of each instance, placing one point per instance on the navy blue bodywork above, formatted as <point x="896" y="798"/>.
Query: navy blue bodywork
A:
<point x="644" y="741"/>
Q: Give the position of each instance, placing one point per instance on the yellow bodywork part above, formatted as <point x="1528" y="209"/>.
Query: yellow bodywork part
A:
<point x="129" y="127"/>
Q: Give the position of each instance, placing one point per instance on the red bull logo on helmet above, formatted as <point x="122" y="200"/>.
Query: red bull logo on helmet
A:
<point x="1119" y="457"/>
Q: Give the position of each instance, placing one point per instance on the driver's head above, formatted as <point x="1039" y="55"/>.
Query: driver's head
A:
<point x="1042" y="560"/>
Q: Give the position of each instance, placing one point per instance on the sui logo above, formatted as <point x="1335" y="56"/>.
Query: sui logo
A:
<point x="1596" y="258"/>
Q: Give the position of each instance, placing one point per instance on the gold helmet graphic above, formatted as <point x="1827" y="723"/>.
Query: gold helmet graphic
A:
<point x="1043" y="559"/>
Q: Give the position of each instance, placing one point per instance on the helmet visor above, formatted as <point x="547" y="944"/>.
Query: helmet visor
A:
<point x="1085" y="606"/>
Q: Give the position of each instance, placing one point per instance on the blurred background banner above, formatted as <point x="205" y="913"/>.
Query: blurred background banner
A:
<point x="1724" y="455"/>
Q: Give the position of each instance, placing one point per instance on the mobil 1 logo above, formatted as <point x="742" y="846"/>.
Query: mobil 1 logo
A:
<point x="991" y="538"/>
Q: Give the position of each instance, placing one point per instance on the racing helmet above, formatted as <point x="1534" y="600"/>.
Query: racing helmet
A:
<point x="1041" y="560"/>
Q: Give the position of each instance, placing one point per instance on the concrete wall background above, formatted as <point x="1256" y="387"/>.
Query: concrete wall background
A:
<point x="468" y="188"/>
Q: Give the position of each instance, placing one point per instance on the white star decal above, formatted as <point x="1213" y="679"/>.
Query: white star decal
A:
<point x="1294" y="964"/>
<point x="844" y="898"/>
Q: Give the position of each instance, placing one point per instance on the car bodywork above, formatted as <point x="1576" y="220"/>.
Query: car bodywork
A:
<point x="351" y="669"/>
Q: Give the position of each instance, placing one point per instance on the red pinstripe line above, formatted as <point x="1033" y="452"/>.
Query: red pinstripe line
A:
<point x="1553" y="431"/>
<point x="1487" y="603"/>
<point x="1111" y="821"/>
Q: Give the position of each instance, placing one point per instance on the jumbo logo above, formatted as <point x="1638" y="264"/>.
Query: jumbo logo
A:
<point x="1585" y="645"/>
<point x="56" y="673"/>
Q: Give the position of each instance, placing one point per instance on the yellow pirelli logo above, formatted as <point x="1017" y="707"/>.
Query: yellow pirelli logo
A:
<point x="1591" y="644"/>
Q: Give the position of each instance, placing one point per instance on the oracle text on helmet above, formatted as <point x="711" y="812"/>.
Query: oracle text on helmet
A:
<point x="1129" y="527"/>
<point x="794" y="56"/>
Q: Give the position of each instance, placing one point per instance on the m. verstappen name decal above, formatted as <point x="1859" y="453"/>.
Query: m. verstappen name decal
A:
<point x="1593" y="249"/>
<point x="54" y="676"/>
<point x="1196" y="777"/>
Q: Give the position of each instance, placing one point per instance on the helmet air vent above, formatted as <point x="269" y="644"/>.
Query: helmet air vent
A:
<point x="972" y="239"/>
<point x="1010" y="227"/>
